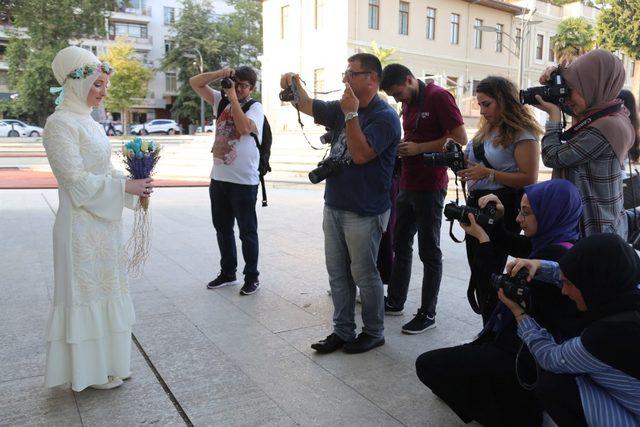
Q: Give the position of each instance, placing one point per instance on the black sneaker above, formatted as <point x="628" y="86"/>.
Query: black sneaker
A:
<point x="390" y="310"/>
<point x="363" y="342"/>
<point x="329" y="344"/>
<point x="420" y="323"/>
<point x="221" y="281"/>
<point x="250" y="287"/>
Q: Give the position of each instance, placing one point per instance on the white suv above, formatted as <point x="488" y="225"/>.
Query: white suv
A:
<point x="170" y="127"/>
<point x="23" y="128"/>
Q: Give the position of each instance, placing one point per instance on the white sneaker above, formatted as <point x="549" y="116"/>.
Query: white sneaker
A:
<point x="112" y="383"/>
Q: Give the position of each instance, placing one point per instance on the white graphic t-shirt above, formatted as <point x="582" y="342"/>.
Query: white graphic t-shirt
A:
<point x="235" y="156"/>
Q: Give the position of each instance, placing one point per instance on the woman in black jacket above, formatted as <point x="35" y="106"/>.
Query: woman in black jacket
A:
<point x="480" y="380"/>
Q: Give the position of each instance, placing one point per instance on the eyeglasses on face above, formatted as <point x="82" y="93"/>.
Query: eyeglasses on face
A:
<point x="243" y="85"/>
<point x="524" y="213"/>
<point x="351" y="74"/>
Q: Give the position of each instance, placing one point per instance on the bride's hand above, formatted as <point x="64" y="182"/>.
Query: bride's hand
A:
<point x="139" y="187"/>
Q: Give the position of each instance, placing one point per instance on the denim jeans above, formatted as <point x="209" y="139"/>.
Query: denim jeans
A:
<point x="351" y="244"/>
<point x="230" y="203"/>
<point x="421" y="212"/>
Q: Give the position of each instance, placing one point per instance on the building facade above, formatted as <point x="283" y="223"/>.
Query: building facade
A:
<point x="436" y="39"/>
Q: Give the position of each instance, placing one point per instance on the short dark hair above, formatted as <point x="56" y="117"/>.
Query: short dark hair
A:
<point x="394" y="74"/>
<point x="246" y="74"/>
<point x="369" y="62"/>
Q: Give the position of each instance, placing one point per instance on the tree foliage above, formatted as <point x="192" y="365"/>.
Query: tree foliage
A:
<point x="50" y="26"/>
<point x="129" y="80"/>
<point x="575" y="37"/>
<point x="618" y="26"/>
<point x="240" y="34"/>
<point x="383" y="54"/>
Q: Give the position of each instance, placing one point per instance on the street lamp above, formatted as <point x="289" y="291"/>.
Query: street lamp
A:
<point x="201" y="67"/>
<point x="526" y="25"/>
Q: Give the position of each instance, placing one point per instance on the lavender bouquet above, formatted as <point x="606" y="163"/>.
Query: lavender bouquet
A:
<point x="140" y="158"/>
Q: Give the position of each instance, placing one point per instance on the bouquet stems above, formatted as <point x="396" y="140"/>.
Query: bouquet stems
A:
<point x="144" y="202"/>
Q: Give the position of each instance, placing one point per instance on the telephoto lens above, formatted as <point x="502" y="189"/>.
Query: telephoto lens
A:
<point x="226" y="83"/>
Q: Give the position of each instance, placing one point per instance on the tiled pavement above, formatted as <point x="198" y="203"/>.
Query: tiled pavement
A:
<point x="226" y="359"/>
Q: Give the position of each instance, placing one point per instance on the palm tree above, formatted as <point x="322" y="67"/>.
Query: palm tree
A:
<point x="575" y="37"/>
<point x="384" y="55"/>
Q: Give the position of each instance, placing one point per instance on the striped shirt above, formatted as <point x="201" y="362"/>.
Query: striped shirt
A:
<point x="609" y="397"/>
<point x="589" y="162"/>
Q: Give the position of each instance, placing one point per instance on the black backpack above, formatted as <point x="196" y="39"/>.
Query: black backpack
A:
<point x="264" y="149"/>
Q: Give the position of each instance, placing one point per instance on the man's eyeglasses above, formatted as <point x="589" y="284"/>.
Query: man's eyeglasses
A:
<point x="351" y="74"/>
<point x="243" y="85"/>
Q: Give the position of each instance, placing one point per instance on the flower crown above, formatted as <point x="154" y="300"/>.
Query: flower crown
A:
<point x="87" y="70"/>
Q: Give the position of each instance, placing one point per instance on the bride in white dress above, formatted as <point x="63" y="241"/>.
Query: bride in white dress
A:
<point x="89" y="332"/>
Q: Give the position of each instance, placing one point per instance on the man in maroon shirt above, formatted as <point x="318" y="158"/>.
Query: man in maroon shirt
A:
<point x="430" y="116"/>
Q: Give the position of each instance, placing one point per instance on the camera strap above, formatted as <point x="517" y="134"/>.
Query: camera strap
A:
<point x="478" y="153"/>
<point x="574" y="130"/>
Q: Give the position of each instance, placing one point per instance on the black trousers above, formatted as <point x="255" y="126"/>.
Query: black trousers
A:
<point x="560" y="398"/>
<point x="478" y="382"/>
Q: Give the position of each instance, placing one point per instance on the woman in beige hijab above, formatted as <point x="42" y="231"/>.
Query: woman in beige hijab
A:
<point x="592" y="158"/>
<point x="89" y="331"/>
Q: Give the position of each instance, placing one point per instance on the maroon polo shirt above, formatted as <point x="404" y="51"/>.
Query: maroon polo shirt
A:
<point x="439" y="115"/>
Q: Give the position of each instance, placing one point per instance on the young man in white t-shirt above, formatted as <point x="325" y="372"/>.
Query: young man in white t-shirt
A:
<point x="234" y="175"/>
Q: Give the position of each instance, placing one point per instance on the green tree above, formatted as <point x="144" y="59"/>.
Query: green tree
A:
<point x="384" y="55"/>
<point x="129" y="81"/>
<point x="575" y="37"/>
<point x="240" y="34"/>
<point x="50" y="26"/>
<point x="195" y="35"/>
<point x="618" y="26"/>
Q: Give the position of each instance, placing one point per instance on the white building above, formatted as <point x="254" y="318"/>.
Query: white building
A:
<point x="436" y="39"/>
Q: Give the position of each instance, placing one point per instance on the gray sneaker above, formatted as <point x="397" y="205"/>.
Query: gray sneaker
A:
<point x="420" y="323"/>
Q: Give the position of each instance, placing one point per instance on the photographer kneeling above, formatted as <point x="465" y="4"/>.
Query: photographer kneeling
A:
<point x="481" y="380"/>
<point x="593" y="379"/>
<point x="365" y="134"/>
<point x="591" y="154"/>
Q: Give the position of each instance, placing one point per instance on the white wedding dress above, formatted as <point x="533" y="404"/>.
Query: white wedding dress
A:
<point x="89" y="331"/>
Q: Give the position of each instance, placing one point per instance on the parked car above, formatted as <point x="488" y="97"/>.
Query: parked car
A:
<point x="112" y="128"/>
<point x="29" y="130"/>
<point x="207" y="128"/>
<point x="169" y="127"/>
<point x="13" y="132"/>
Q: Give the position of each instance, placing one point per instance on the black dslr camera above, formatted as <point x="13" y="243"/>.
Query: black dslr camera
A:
<point x="290" y="94"/>
<point x="227" y="82"/>
<point x="484" y="216"/>
<point x="515" y="288"/>
<point x="556" y="91"/>
<point x="325" y="168"/>
<point x="452" y="157"/>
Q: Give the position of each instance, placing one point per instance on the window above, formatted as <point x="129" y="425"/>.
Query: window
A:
<point x="452" y="85"/>
<point x="284" y="21"/>
<point x="129" y="30"/>
<point x="3" y="50"/>
<point x="374" y="14"/>
<point x="500" y="29"/>
<point x="431" y="23"/>
<point x="477" y="34"/>
<point x="475" y="84"/>
<point x="171" y="82"/>
<point x="518" y="39"/>
<point x="169" y="15"/>
<point x="539" y="46"/>
<point x="137" y="4"/>
<point x="318" y="80"/>
<point x="168" y="45"/>
<point x="319" y="14"/>
<point x="455" y="29"/>
<point x="404" y="18"/>
<point x="4" y="81"/>
<point x="551" y="56"/>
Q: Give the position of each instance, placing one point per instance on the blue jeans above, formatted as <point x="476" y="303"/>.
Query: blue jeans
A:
<point x="351" y="244"/>
<point x="421" y="212"/>
<point x="230" y="203"/>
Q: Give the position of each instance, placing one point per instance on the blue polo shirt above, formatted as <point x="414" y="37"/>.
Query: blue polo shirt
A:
<point x="362" y="189"/>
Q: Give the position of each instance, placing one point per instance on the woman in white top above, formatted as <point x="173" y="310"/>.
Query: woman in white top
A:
<point x="89" y="331"/>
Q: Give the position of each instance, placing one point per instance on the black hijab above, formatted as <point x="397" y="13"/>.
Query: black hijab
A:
<point x="606" y="270"/>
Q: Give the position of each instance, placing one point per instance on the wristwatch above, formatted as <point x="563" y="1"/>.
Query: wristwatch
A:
<point x="350" y="115"/>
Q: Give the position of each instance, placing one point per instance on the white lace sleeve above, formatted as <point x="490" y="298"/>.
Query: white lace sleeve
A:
<point x="130" y="201"/>
<point x="102" y="195"/>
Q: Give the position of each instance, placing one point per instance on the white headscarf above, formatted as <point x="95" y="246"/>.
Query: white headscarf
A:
<point x="75" y="91"/>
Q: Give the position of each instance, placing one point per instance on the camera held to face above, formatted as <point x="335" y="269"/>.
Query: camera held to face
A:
<point x="515" y="288"/>
<point x="290" y="94"/>
<point x="556" y="91"/>
<point x="227" y="82"/>
<point x="484" y="216"/>
<point x="453" y="157"/>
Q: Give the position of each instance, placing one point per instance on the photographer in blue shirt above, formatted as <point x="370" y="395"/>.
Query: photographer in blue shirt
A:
<point x="365" y="132"/>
